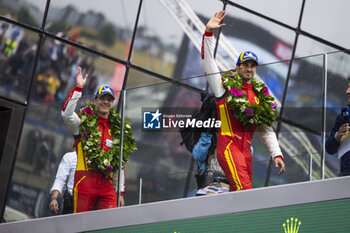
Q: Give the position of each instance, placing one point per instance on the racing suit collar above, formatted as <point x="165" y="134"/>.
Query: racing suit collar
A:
<point x="102" y="120"/>
<point x="247" y="85"/>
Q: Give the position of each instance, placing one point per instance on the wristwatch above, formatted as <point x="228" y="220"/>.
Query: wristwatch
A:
<point x="336" y="136"/>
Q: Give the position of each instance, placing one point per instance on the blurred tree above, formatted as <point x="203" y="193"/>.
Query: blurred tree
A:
<point x="24" y="16"/>
<point x="91" y="34"/>
<point x="58" y="26"/>
<point x="107" y="34"/>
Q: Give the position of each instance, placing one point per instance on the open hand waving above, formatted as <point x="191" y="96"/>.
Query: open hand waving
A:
<point x="215" y="21"/>
<point x="80" y="80"/>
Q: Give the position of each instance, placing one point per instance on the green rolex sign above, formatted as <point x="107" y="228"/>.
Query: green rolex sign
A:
<point x="327" y="217"/>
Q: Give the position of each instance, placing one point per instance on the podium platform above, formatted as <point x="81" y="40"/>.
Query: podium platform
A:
<point x="316" y="206"/>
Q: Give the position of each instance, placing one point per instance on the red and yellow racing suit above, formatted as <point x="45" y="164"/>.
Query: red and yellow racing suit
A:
<point x="92" y="189"/>
<point x="234" y="139"/>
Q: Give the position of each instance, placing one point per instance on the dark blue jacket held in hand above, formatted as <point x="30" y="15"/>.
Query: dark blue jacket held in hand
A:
<point x="332" y="144"/>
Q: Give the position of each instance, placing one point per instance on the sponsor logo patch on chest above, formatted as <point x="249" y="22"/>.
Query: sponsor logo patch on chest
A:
<point x="109" y="143"/>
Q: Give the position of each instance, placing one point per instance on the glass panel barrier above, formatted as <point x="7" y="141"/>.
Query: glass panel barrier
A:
<point x="159" y="150"/>
<point x="313" y="18"/>
<point x="55" y="75"/>
<point x="18" y="50"/>
<point x="300" y="168"/>
<point x="157" y="40"/>
<point x="206" y="9"/>
<point x="166" y="167"/>
<point x="298" y="149"/>
<point x="29" y="12"/>
<point x="183" y="184"/>
<point x="137" y="79"/>
<point x="160" y="157"/>
<point x="168" y="42"/>
<point x="274" y="75"/>
<point x="247" y="32"/>
<point x="45" y="140"/>
<point x="337" y="99"/>
<point x="288" y="12"/>
<point x="105" y="27"/>
<point x="337" y="79"/>
<point x="297" y="141"/>
<point x="42" y="144"/>
<point x="167" y="187"/>
<point x="308" y="47"/>
<point x="304" y="94"/>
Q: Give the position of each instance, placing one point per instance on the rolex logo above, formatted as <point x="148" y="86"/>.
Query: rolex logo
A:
<point x="291" y="226"/>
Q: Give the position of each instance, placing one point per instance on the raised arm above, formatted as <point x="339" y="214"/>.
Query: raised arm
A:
<point x="70" y="118"/>
<point x="210" y="66"/>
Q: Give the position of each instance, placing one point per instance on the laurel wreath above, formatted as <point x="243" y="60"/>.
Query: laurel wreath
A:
<point x="257" y="114"/>
<point x="96" y="157"/>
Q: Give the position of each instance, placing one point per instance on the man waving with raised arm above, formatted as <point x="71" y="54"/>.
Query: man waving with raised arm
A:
<point x="96" y="130"/>
<point x="243" y="104"/>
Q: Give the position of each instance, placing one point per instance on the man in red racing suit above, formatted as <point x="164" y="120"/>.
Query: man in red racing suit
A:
<point x="92" y="189"/>
<point x="234" y="139"/>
